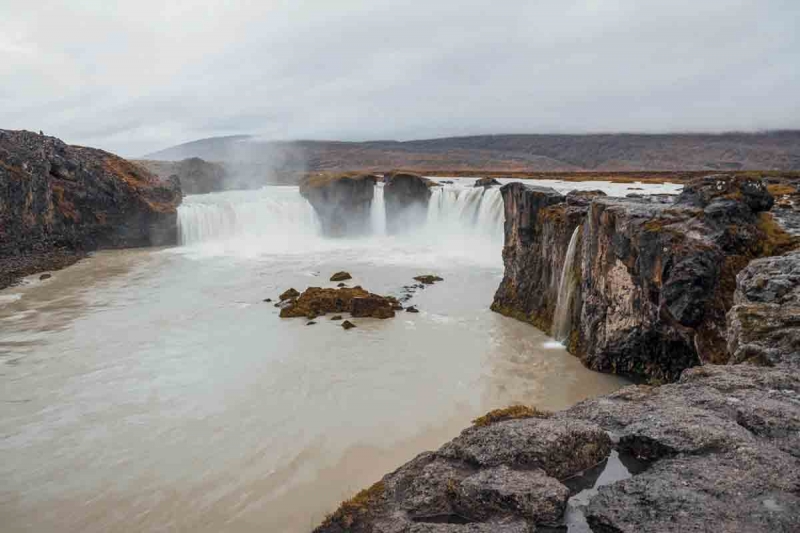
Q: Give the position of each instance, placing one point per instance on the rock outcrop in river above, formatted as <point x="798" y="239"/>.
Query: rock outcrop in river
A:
<point x="59" y="201"/>
<point x="653" y="277"/>
<point x="717" y="451"/>
<point x="406" y="195"/>
<point x="342" y="202"/>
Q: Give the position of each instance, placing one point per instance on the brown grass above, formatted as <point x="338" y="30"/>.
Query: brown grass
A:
<point x="356" y="507"/>
<point x="776" y="239"/>
<point x="509" y="413"/>
<point x="779" y="189"/>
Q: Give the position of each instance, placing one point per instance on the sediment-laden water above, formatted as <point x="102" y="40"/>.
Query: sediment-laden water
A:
<point x="154" y="390"/>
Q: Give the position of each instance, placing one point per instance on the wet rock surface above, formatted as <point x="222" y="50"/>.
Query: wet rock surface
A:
<point x="316" y="301"/>
<point x="58" y="202"/>
<point x="655" y="277"/>
<point x="342" y="202"/>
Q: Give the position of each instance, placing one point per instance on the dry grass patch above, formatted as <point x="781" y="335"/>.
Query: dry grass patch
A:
<point x="509" y="413"/>
<point x="350" y="511"/>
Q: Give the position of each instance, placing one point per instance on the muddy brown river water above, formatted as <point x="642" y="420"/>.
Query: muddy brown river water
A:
<point x="154" y="390"/>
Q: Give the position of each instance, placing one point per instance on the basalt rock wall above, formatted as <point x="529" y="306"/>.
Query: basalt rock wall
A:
<point x="655" y="276"/>
<point x="342" y="203"/>
<point x="406" y="197"/>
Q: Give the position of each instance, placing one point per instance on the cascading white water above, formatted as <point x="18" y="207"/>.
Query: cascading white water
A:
<point x="463" y="210"/>
<point x="378" y="211"/>
<point x="566" y="288"/>
<point x="272" y="217"/>
<point x="461" y="223"/>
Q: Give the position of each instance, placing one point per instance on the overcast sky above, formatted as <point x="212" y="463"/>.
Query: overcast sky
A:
<point x="137" y="76"/>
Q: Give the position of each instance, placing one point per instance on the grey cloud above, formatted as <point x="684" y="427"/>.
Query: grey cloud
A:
<point x="138" y="76"/>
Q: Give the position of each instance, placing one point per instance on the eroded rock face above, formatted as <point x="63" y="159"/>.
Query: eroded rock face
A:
<point x="69" y="198"/>
<point x="655" y="278"/>
<point x="342" y="202"/>
<point x="722" y="449"/>
<point x="539" y="225"/>
<point x="406" y="196"/>
<point x="764" y="323"/>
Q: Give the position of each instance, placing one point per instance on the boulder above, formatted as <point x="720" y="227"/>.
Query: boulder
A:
<point x="341" y="201"/>
<point x="316" y="301"/>
<point x="486" y="182"/>
<point x="341" y="276"/>
<point x="428" y="279"/>
<point x="348" y="325"/>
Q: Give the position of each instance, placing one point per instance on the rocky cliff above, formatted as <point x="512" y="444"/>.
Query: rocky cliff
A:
<point x="719" y="450"/>
<point x="342" y="202"/>
<point x="406" y="196"/>
<point x="654" y="277"/>
<point x="58" y="201"/>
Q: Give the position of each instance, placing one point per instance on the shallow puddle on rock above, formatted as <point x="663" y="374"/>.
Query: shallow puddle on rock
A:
<point x="616" y="468"/>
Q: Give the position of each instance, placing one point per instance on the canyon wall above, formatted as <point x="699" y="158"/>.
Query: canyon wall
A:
<point x="654" y="276"/>
<point x="58" y="200"/>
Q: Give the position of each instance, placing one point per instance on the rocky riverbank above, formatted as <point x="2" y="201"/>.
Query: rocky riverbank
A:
<point x="653" y="277"/>
<point x="58" y="202"/>
<point x="715" y="451"/>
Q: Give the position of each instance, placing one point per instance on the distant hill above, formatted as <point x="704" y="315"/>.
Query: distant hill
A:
<point x="777" y="150"/>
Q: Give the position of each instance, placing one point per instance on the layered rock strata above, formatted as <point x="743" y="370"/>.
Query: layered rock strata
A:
<point x="654" y="276"/>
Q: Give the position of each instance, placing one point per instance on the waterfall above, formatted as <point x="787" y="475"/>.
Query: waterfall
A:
<point x="461" y="222"/>
<point x="566" y="288"/>
<point x="378" y="211"/>
<point x="271" y="216"/>
<point x="472" y="210"/>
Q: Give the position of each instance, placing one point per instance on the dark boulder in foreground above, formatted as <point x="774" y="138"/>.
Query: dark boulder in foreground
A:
<point x="652" y="278"/>
<point x="342" y="202"/>
<point x="58" y="201"/>
<point x="720" y="451"/>
<point x="406" y="196"/>
<point x="316" y="301"/>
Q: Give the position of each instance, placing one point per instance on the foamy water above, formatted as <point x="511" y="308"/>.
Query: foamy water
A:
<point x="154" y="390"/>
